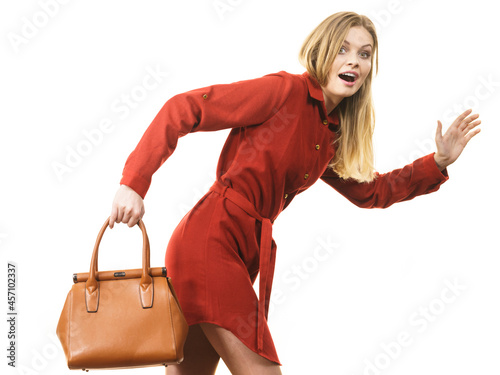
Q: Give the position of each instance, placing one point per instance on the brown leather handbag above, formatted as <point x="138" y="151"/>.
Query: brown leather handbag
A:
<point x="122" y="319"/>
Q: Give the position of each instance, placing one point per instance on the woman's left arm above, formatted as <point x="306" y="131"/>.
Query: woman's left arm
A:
<point x="425" y="175"/>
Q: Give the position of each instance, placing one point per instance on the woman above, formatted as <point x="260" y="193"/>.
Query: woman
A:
<point x="288" y="131"/>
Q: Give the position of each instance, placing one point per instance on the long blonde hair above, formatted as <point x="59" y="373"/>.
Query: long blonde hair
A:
<point x="354" y="154"/>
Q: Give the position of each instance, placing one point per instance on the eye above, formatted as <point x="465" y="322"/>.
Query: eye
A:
<point x="365" y="55"/>
<point x="342" y="49"/>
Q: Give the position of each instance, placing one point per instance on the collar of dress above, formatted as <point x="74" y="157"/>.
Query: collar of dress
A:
<point x="315" y="92"/>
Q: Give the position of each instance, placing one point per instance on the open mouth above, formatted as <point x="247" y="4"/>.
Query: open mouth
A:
<point x="348" y="77"/>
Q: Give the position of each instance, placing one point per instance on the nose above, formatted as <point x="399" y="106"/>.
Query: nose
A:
<point x="353" y="59"/>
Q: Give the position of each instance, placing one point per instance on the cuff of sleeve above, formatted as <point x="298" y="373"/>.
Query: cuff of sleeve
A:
<point x="137" y="183"/>
<point x="428" y="169"/>
<point x="443" y="173"/>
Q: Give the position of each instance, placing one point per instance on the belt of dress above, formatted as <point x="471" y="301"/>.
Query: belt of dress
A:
<point x="267" y="257"/>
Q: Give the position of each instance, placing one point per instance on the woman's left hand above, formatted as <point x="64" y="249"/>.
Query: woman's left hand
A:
<point x="451" y="144"/>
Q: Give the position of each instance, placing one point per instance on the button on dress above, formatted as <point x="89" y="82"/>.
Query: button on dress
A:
<point x="280" y="144"/>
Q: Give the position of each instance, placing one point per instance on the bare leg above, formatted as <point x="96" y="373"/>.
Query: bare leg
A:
<point x="237" y="356"/>
<point x="200" y="358"/>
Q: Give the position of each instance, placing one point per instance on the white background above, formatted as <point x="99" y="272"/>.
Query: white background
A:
<point x="333" y="312"/>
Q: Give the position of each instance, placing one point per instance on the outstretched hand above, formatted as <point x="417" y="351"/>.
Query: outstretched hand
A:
<point x="451" y="144"/>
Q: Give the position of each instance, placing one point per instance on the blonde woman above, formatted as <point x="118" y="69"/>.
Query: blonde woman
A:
<point x="288" y="131"/>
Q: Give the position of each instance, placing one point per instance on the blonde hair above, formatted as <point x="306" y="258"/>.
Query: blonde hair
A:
<point x="354" y="155"/>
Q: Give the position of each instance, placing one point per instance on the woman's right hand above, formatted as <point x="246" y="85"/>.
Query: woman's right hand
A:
<point x="128" y="207"/>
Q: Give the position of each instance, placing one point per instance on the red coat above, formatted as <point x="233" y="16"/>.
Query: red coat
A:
<point x="279" y="145"/>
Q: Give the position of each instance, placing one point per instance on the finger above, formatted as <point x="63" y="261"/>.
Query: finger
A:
<point x="126" y="216"/>
<point x="439" y="132"/>
<point x="460" y="118"/>
<point x="112" y="217"/>
<point x="119" y="215"/>
<point x="472" y="125"/>
<point x="137" y="215"/>
<point x="465" y="114"/>
<point x="467" y="121"/>
<point x="134" y="219"/>
<point x="469" y="136"/>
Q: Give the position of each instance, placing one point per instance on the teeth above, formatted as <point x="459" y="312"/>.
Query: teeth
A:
<point x="349" y="74"/>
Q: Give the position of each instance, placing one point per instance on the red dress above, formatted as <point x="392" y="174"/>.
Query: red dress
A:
<point x="280" y="144"/>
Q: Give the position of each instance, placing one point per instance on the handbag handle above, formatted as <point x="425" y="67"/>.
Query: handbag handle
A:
<point x="101" y="233"/>
<point x="146" y="284"/>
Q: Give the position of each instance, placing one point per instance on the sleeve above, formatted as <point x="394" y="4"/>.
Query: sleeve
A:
<point x="418" y="178"/>
<point x="211" y="108"/>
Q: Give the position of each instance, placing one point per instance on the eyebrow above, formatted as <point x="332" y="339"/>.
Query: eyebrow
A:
<point x="366" y="45"/>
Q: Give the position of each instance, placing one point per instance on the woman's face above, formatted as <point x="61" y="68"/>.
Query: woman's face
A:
<point x="355" y="58"/>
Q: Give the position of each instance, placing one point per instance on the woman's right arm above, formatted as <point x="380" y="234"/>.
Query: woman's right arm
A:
<point x="217" y="107"/>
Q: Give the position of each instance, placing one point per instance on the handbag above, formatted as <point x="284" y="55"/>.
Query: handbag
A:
<point x="122" y="319"/>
